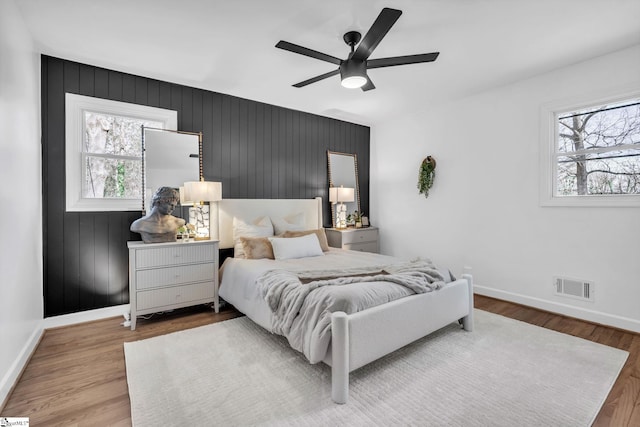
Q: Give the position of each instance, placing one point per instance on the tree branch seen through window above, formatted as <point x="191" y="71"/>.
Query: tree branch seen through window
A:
<point x="598" y="150"/>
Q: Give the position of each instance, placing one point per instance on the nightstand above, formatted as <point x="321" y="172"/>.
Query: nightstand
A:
<point x="356" y="239"/>
<point x="165" y="276"/>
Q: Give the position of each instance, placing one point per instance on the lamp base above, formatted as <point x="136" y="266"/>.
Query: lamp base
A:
<point x="341" y="216"/>
<point x="199" y="217"/>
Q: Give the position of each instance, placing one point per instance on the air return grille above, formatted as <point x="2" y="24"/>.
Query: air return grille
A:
<point x="572" y="288"/>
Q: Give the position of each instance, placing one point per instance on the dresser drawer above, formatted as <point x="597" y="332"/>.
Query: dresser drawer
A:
<point x="159" y="277"/>
<point x="174" y="296"/>
<point x="362" y="247"/>
<point x="173" y="255"/>
<point x="359" y="236"/>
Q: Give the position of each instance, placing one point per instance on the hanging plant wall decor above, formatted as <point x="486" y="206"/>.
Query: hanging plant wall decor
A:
<point x="426" y="175"/>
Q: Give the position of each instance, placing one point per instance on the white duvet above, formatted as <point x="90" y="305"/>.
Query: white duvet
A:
<point x="309" y="330"/>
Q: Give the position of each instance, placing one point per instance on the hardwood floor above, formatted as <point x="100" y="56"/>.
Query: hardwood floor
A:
<point x="77" y="377"/>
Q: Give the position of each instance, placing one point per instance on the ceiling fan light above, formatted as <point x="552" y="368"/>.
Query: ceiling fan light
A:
<point x="354" y="82"/>
<point x="353" y="74"/>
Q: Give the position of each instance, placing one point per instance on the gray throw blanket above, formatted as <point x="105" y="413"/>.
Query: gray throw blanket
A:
<point x="286" y="293"/>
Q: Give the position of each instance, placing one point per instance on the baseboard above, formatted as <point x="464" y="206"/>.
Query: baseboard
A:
<point x="12" y="376"/>
<point x="85" y="316"/>
<point x="564" y="309"/>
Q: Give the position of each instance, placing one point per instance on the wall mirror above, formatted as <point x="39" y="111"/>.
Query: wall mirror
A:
<point x="343" y="170"/>
<point x="171" y="158"/>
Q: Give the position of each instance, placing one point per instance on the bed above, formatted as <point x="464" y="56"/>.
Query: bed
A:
<point x="345" y="341"/>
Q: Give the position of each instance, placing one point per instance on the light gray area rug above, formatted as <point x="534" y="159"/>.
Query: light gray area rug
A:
<point x="505" y="373"/>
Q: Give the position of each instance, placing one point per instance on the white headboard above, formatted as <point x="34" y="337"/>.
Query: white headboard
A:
<point x="250" y="209"/>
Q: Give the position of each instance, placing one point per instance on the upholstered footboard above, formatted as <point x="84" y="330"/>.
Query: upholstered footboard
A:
<point x="360" y="338"/>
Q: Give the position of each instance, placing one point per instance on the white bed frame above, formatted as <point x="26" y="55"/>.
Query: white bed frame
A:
<point x="360" y="338"/>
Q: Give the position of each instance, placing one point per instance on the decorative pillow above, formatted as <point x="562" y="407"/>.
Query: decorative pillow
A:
<point x="256" y="247"/>
<point x="295" y="247"/>
<point x="260" y="227"/>
<point x="322" y="237"/>
<point x="293" y="222"/>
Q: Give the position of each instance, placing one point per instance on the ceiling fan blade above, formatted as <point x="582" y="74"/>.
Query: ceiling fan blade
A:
<point x="402" y="60"/>
<point x="317" y="78"/>
<point x="307" y="52"/>
<point x="376" y="33"/>
<point x="368" y="85"/>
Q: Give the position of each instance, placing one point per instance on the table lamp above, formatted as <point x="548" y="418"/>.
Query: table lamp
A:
<point x="340" y="195"/>
<point x="200" y="192"/>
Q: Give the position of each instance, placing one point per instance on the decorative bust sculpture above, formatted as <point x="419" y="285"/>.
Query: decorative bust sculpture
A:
<point x="159" y="226"/>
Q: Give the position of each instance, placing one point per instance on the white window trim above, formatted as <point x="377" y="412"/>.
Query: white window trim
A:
<point x="547" y="138"/>
<point x="75" y="106"/>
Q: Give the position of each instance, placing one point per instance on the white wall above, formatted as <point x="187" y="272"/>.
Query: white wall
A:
<point x="484" y="212"/>
<point x="21" y="310"/>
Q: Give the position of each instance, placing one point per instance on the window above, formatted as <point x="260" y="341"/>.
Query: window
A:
<point x="591" y="153"/>
<point x="104" y="152"/>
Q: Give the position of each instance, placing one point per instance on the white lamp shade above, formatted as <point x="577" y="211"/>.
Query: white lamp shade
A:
<point x="333" y="194"/>
<point x="341" y="194"/>
<point x="345" y="194"/>
<point x="202" y="191"/>
<point x="183" y="200"/>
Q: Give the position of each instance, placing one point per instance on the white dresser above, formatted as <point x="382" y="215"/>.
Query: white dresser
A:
<point x="356" y="239"/>
<point x="164" y="276"/>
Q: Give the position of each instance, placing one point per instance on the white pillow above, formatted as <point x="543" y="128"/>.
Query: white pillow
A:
<point x="293" y="222"/>
<point x="296" y="247"/>
<point x="260" y="227"/>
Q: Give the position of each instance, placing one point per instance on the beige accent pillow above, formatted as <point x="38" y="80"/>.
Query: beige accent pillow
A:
<point x="257" y="247"/>
<point x="322" y="237"/>
<point x="259" y="227"/>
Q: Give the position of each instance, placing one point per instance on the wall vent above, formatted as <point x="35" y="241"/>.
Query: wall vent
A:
<point x="572" y="288"/>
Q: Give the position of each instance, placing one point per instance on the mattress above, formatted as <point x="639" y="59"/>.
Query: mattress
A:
<point x="310" y="333"/>
<point x="238" y="277"/>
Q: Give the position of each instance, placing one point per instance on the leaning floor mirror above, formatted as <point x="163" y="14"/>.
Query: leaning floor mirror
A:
<point x="343" y="172"/>
<point x="171" y="158"/>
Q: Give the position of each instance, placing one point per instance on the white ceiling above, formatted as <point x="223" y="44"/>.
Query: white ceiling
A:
<point x="228" y="46"/>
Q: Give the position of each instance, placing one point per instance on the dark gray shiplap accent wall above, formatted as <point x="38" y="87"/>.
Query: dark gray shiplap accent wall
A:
<point x="257" y="150"/>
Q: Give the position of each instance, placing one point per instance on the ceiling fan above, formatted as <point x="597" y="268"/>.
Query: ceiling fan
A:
<point x="353" y="70"/>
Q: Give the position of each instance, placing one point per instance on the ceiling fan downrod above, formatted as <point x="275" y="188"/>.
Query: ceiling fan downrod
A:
<point x="352" y="38"/>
